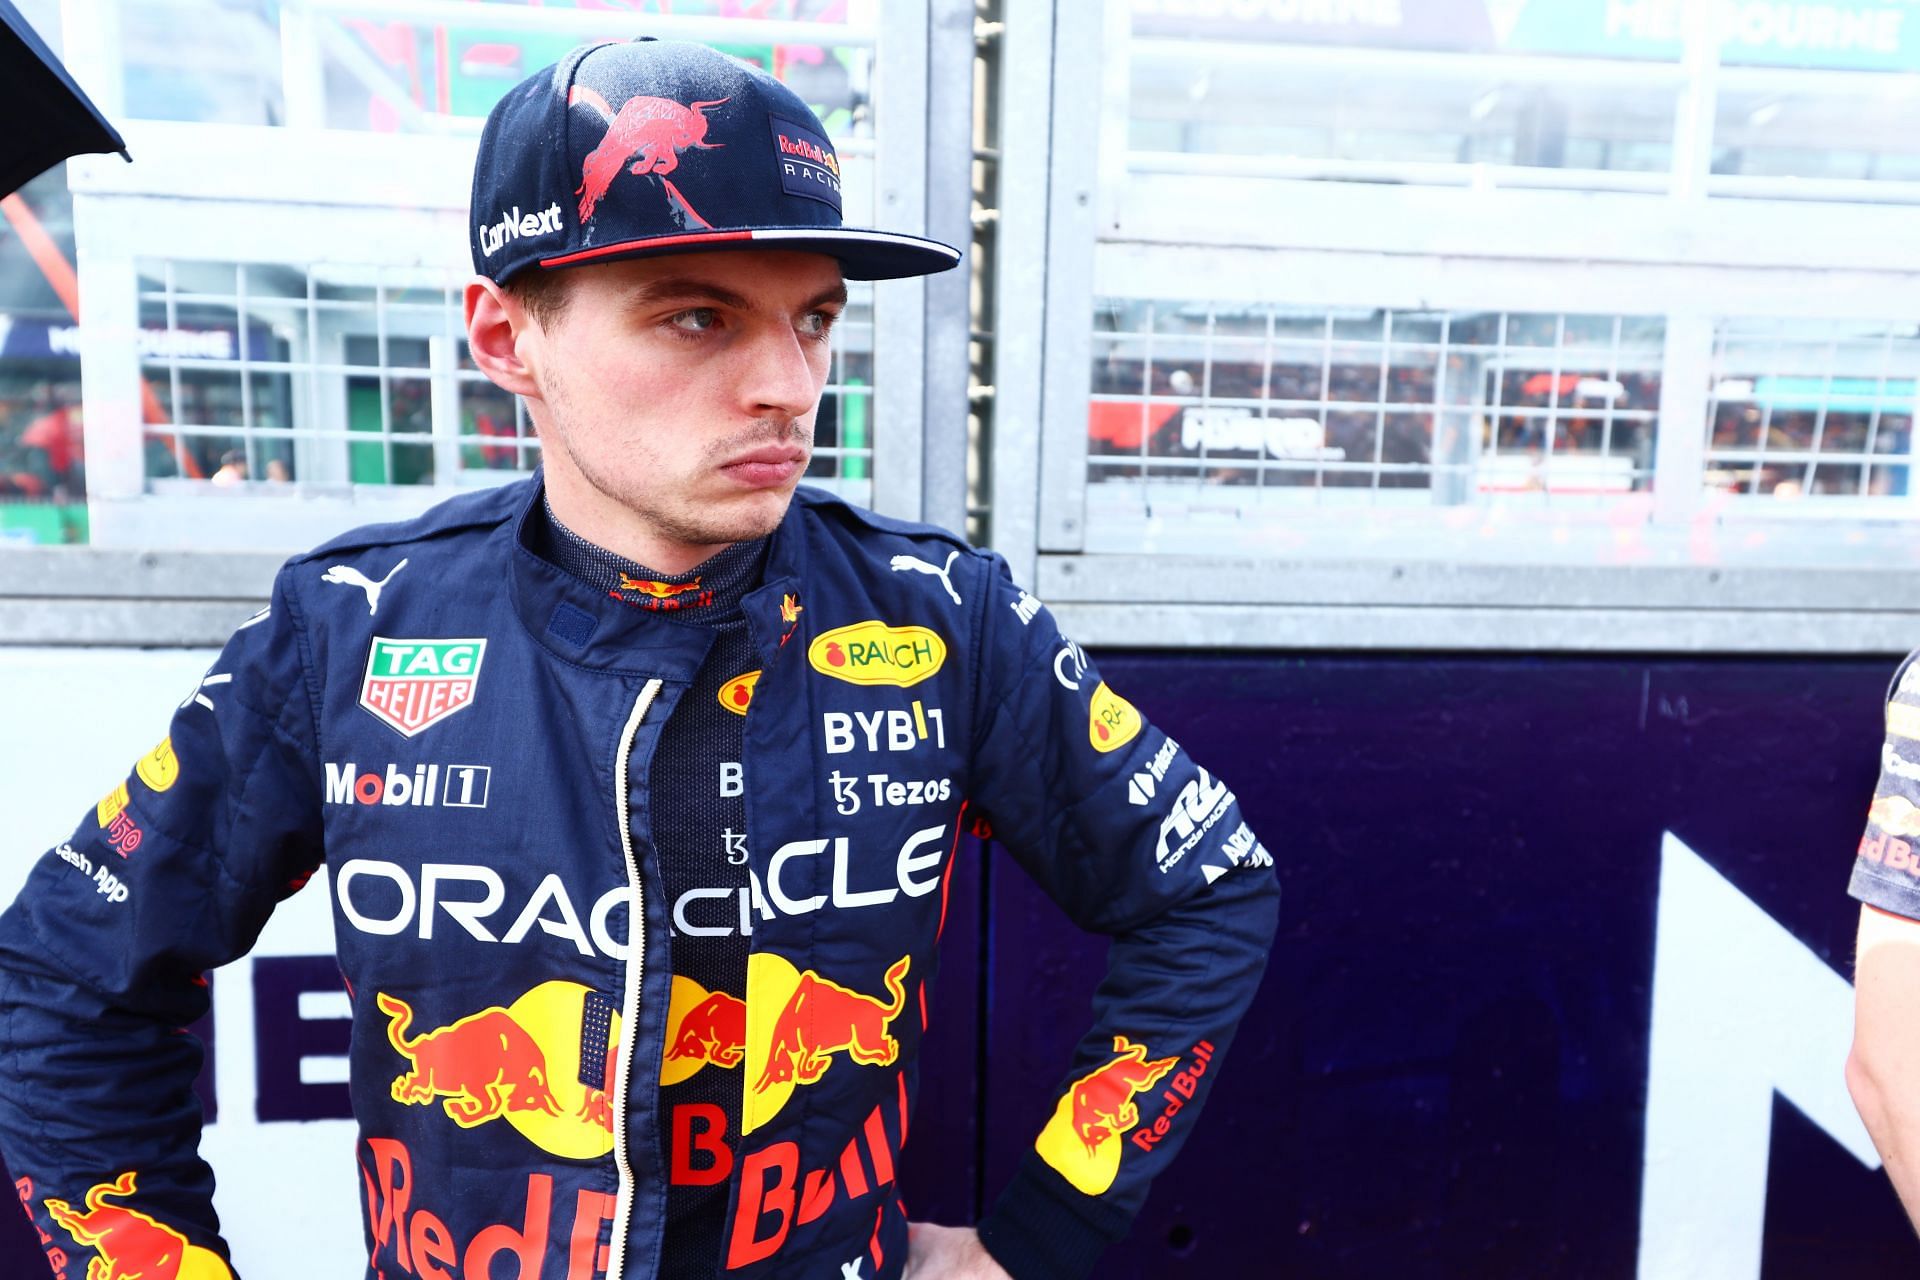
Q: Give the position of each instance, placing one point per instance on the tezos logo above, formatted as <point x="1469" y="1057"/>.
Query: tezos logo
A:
<point x="873" y="653"/>
<point x="412" y="685"/>
<point x="466" y="785"/>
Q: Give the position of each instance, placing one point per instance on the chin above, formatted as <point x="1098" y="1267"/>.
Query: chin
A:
<point x="749" y="516"/>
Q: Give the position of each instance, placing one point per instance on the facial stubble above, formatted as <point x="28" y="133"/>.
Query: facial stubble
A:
<point x="687" y="522"/>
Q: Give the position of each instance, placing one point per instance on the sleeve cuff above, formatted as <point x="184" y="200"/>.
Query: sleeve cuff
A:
<point x="1901" y="897"/>
<point x="1042" y="1229"/>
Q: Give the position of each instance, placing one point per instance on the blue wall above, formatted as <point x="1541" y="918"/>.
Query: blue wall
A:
<point x="1446" y="1071"/>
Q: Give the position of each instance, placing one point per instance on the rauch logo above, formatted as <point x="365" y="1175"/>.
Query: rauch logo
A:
<point x="872" y="652"/>
<point x="412" y="685"/>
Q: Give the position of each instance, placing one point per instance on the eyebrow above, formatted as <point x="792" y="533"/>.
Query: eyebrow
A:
<point x="691" y="289"/>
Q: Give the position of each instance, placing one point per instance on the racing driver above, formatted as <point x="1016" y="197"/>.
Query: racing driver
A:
<point x="639" y="785"/>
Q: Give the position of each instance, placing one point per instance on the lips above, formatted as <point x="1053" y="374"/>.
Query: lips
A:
<point x="767" y="468"/>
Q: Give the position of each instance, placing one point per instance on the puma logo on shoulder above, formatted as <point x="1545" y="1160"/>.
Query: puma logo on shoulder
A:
<point x="345" y="575"/>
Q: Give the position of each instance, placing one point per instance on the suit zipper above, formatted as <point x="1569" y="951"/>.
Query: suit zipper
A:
<point x="630" y="1007"/>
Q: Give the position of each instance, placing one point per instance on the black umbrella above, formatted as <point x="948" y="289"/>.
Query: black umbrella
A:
<point x="51" y="118"/>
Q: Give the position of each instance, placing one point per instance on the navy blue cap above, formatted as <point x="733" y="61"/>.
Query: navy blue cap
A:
<point x="643" y="147"/>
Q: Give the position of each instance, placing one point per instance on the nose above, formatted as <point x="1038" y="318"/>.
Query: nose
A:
<point x="784" y="374"/>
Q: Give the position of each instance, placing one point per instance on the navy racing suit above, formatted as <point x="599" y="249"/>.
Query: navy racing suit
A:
<point x="457" y="743"/>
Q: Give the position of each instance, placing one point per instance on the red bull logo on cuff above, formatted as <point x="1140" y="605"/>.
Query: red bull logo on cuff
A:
<point x="1084" y="1139"/>
<point x="544" y="1064"/>
<point x="130" y="1245"/>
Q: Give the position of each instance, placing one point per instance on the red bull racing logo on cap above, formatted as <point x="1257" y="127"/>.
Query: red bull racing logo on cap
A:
<point x="797" y="1023"/>
<point x="808" y="165"/>
<point x="544" y="1064"/>
<point x="412" y="685"/>
<point x="1084" y="1139"/>
<point x="645" y="137"/>
<point x="130" y="1245"/>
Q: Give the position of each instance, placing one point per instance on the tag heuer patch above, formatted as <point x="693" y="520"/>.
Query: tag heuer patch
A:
<point x="412" y="685"/>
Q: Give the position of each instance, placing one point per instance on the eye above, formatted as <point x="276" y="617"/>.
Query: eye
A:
<point x="817" y="324"/>
<point x="695" y="320"/>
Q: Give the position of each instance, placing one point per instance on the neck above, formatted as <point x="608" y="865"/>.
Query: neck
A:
<point x="607" y="524"/>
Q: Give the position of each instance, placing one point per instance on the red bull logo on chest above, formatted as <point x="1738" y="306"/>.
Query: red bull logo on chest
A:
<point x="703" y="1028"/>
<point x="412" y="685"/>
<point x="544" y="1064"/>
<point x="797" y="1023"/>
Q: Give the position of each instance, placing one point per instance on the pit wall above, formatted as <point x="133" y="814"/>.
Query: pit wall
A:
<point x="1561" y="986"/>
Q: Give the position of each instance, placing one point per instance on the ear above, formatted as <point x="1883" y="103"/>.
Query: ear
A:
<point x="497" y="329"/>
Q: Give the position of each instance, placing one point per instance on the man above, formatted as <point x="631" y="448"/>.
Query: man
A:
<point x="1885" y="1062"/>
<point x="640" y="784"/>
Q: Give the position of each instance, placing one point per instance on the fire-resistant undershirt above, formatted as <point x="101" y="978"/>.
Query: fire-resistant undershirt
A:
<point x="698" y="819"/>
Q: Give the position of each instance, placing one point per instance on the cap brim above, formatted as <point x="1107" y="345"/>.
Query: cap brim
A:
<point x="863" y="255"/>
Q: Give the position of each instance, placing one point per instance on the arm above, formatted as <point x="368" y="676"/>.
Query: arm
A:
<point x="1884" y="1067"/>
<point x="102" y="955"/>
<point x="1137" y="841"/>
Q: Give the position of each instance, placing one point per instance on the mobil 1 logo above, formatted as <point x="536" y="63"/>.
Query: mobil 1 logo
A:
<point x="456" y="786"/>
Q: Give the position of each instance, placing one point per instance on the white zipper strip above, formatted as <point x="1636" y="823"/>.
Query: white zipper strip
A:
<point x="630" y="1009"/>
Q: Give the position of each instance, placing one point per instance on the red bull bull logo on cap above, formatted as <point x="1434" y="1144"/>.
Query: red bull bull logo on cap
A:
<point x="797" y="1022"/>
<point x="130" y="1245"/>
<point x="1083" y="1140"/>
<point x="648" y="132"/>
<point x="543" y="1063"/>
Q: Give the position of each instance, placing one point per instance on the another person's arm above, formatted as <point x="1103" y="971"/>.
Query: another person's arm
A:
<point x="1883" y="1071"/>
<point x="103" y="955"/>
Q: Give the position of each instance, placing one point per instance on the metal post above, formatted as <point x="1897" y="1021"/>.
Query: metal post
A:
<point x="1020" y="279"/>
<point x="899" y="306"/>
<point x="949" y="217"/>
<point x="302" y="82"/>
<point x="1692" y="159"/>
<point x="1679" y="451"/>
<point x="1078" y="46"/>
